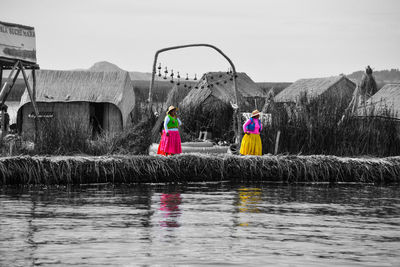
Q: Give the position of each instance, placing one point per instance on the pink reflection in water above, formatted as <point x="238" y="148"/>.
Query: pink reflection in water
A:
<point x="169" y="207"/>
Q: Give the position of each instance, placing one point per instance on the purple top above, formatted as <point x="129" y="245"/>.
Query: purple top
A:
<point x="257" y="128"/>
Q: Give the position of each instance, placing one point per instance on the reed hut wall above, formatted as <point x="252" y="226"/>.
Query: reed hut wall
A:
<point x="341" y="90"/>
<point x="72" y="112"/>
<point x="385" y="103"/>
<point x="102" y="100"/>
<point x="339" y="87"/>
<point x="330" y="95"/>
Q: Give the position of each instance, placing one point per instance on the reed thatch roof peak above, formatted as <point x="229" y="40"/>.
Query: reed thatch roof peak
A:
<point x="385" y="102"/>
<point x="84" y="86"/>
<point x="220" y="85"/>
<point x="313" y="87"/>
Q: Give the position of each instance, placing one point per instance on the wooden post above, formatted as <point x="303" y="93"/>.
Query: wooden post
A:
<point x="34" y="99"/>
<point x="3" y="123"/>
<point x="10" y="87"/>
<point x="1" y="76"/>
<point x="28" y="87"/>
<point x="12" y="144"/>
<point x="278" y="135"/>
<point x="3" y="91"/>
<point x="1" y="82"/>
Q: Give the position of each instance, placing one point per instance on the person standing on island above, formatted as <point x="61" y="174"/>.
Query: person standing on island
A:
<point x="6" y="122"/>
<point x="251" y="142"/>
<point x="162" y="138"/>
<point x="172" y="139"/>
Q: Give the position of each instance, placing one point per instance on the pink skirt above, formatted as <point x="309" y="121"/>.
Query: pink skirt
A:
<point x="172" y="143"/>
<point x="161" y="145"/>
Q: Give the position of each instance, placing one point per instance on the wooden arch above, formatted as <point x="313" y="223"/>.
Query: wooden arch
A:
<point x="234" y="105"/>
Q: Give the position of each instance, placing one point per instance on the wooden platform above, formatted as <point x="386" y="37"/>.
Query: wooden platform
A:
<point x="195" y="147"/>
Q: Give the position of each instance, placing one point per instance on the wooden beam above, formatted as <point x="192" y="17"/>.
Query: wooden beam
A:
<point x="9" y="67"/>
<point x="8" y="91"/>
<point x="34" y="98"/>
<point x="278" y="135"/>
<point x="34" y="84"/>
<point x="3" y="91"/>
<point x="3" y="124"/>
<point x="28" y="87"/>
<point x="8" y="63"/>
<point x="1" y="76"/>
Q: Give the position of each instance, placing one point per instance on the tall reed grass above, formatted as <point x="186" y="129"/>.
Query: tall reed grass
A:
<point x="62" y="137"/>
<point x="312" y="127"/>
<point x="71" y="137"/>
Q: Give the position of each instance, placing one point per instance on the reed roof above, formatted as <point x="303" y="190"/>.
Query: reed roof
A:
<point x="384" y="102"/>
<point x="220" y="85"/>
<point x="311" y="87"/>
<point x="83" y="86"/>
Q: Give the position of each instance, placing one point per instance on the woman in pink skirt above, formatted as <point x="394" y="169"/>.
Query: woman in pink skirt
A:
<point x="172" y="139"/>
<point x="161" y="144"/>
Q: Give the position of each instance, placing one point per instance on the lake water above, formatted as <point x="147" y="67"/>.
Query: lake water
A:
<point x="200" y="224"/>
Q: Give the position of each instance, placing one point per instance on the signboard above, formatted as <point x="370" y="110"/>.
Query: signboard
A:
<point x="17" y="42"/>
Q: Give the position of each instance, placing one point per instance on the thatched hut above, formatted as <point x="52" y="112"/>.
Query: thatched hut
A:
<point x="217" y="88"/>
<point x="209" y="102"/>
<point x="103" y="101"/>
<point x="309" y="99"/>
<point x="335" y="86"/>
<point x="385" y="103"/>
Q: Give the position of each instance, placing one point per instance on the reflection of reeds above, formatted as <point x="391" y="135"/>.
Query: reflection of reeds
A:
<point x="196" y="168"/>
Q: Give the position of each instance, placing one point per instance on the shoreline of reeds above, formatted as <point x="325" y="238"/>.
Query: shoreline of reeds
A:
<point x="183" y="168"/>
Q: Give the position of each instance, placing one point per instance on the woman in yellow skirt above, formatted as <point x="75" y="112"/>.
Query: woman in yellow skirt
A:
<point x="251" y="142"/>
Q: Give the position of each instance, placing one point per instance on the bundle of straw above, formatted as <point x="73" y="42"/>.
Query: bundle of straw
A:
<point x="197" y="168"/>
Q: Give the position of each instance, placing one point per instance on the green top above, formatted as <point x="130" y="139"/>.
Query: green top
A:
<point x="173" y="122"/>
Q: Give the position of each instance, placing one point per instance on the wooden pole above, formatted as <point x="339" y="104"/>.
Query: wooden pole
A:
<point x="1" y="76"/>
<point x="4" y="94"/>
<point x="3" y="91"/>
<point x="1" y="82"/>
<point x="12" y="144"/>
<point x="28" y="87"/>
<point x="278" y="135"/>
<point x="34" y="98"/>
<point x="8" y="90"/>
<point x="236" y="104"/>
<point x="3" y="123"/>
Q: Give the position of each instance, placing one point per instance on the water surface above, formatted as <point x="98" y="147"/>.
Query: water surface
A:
<point x="200" y="224"/>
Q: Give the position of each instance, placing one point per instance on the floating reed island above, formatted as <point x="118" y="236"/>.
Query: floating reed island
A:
<point x="197" y="168"/>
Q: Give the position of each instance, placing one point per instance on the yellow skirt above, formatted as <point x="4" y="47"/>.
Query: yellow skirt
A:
<point x="251" y="145"/>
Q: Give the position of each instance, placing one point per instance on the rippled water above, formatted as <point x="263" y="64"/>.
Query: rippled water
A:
<point x="200" y="224"/>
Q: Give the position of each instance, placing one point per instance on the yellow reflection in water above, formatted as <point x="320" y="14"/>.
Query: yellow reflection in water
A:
<point x="249" y="199"/>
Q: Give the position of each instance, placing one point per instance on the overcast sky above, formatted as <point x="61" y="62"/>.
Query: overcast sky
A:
<point x="280" y="40"/>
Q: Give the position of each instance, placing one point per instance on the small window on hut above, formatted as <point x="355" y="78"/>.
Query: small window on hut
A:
<point x="42" y="115"/>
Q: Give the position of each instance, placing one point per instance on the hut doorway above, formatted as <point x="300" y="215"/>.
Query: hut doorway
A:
<point x="96" y="118"/>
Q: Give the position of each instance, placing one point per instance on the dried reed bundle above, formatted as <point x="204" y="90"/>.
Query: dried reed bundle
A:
<point x="197" y="168"/>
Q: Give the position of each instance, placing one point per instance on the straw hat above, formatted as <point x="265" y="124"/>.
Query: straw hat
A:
<point x="170" y="109"/>
<point x="255" y="113"/>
